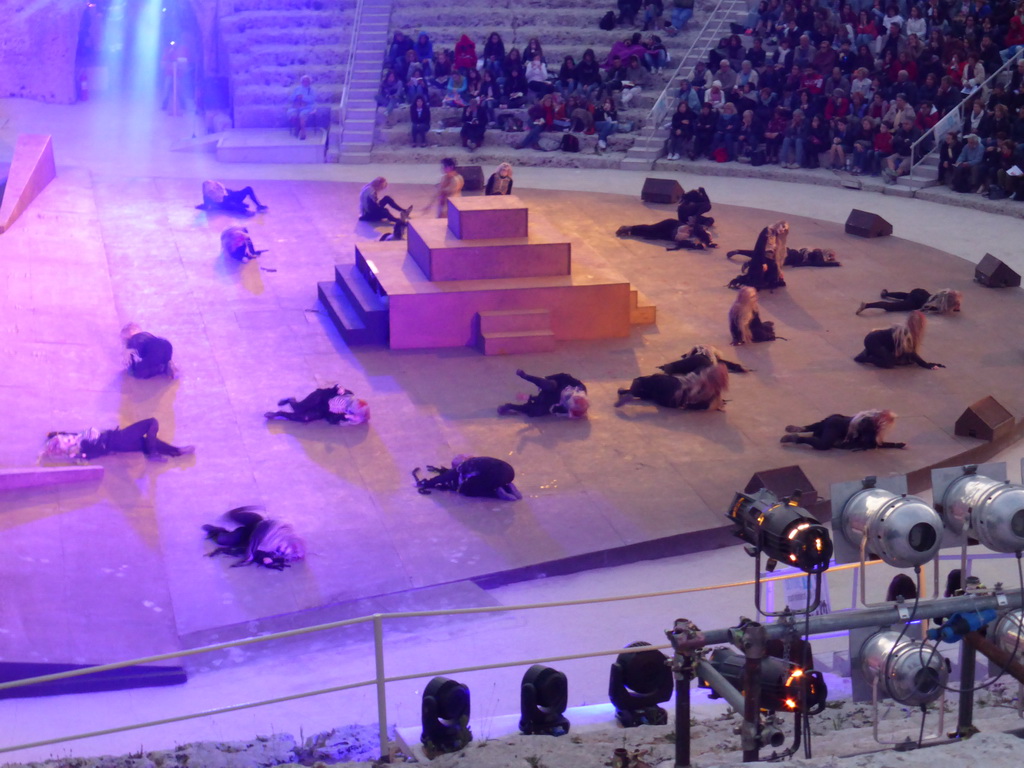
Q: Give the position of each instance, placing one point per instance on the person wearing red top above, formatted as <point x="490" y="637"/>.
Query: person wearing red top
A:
<point x="837" y="106"/>
<point x="882" y="148"/>
<point x="465" y="53"/>
<point x="927" y="116"/>
<point x="813" y="81"/>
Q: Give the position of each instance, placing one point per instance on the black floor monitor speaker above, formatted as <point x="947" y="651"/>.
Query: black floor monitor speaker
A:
<point x="783" y="481"/>
<point x="473" y="176"/>
<point x="995" y="274"/>
<point x="864" y="224"/>
<point x="986" y="419"/>
<point x="661" y="191"/>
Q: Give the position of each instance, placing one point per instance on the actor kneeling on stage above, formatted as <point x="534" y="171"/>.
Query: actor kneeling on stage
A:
<point x="698" y="391"/>
<point x="560" y="395"/>
<point x="92" y="443"/>
<point x="332" y="404"/>
<point x="764" y="270"/>
<point x="257" y="540"/>
<point x="898" y="345"/>
<point x="861" y="432"/>
<point x="146" y="355"/>
<point x="475" y="476"/>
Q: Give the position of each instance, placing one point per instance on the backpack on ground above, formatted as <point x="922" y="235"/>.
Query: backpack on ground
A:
<point x="570" y="143"/>
<point x="607" y="21"/>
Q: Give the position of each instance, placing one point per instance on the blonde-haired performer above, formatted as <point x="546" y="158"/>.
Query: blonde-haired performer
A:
<point x="699" y="391"/>
<point x="332" y="404"/>
<point x="764" y="270"/>
<point x="146" y="355"/>
<point x="500" y="182"/>
<point x="697" y="359"/>
<point x="861" y="432"/>
<point x="560" y="395"/>
<point x="217" y="197"/>
<point x="944" y="302"/>
<point x="898" y="345"/>
<point x="373" y="207"/>
<point x="92" y="443"/>
<point x="745" y="323"/>
<point x="258" y="540"/>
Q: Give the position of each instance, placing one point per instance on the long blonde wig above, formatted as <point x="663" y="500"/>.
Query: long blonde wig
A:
<point x="908" y="338"/>
<point x="883" y="420"/>
<point x="742" y="312"/>
<point x="706" y="386"/>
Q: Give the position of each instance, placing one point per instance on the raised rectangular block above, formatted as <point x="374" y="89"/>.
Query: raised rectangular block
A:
<point x="488" y="217"/>
<point x="32" y="477"/>
<point x="271" y="145"/>
<point x="517" y="342"/>
<point x="442" y="256"/>
<point x="508" y="321"/>
<point x="32" y="168"/>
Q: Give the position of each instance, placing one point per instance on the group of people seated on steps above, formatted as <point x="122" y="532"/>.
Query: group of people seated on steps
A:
<point x="493" y="87"/>
<point x="857" y="85"/>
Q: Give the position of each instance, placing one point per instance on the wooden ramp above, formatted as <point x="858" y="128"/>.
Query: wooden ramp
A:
<point x="32" y="168"/>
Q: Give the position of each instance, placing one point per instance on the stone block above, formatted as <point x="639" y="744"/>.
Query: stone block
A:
<point x="490" y="216"/>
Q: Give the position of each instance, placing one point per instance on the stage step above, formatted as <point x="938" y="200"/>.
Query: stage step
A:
<point x="517" y="342"/>
<point x="33" y="477"/>
<point x="371" y="307"/>
<point x="643" y="313"/>
<point x="515" y="320"/>
<point x="269" y="145"/>
<point x="126" y="678"/>
<point x="345" y="316"/>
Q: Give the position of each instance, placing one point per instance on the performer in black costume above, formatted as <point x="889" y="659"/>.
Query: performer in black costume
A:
<point x="861" y="432"/>
<point x="745" y="323"/>
<point x="811" y="257"/>
<point x="898" y="345"/>
<point x="332" y="404"/>
<point x="264" y="541"/>
<point x="560" y="394"/>
<point x="697" y="391"/>
<point x="146" y="355"/>
<point x="697" y="359"/>
<point x="475" y="476"/>
<point x="693" y="205"/>
<point x="943" y="302"/>
<point x="92" y="443"/>
<point x="689" y="235"/>
<point x="764" y="270"/>
<point x="218" y="197"/>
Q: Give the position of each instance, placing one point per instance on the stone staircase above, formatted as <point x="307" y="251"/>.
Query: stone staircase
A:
<point x="272" y="43"/>
<point x="650" y="144"/>
<point x="516" y="331"/>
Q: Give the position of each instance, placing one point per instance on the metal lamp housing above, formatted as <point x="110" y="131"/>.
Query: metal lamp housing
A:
<point x="904" y="531"/>
<point x="1009" y="633"/>
<point x="987" y="509"/>
<point x="908" y="671"/>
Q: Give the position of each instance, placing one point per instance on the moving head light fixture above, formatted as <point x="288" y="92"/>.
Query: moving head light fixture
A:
<point x="978" y="502"/>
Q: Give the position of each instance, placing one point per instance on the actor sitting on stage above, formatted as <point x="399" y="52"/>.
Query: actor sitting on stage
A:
<point x="92" y="443"/>
<point x="500" y="182"/>
<point x="944" y="302"/>
<point x="691" y="235"/>
<point x="698" y="391"/>
<point x="146" y="355"/>
<point x="861" y="432"/>
<point x="745" y="323"/>
<point x="374" y="208"/>
<point x="898" y="345"/>
<point x="764" y="270"/>
<point x="217" y="197"/>
<point x="697" y="359"/>
<point x="693" y="205"/>
<point x="560" y="394"/>
<point x="472" y="476"/>
<point x="237" y="244"/>
<point x="332" y="404"/>
<point x="257" y="540"/>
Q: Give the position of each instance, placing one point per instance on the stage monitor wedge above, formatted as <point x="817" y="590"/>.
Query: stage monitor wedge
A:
<point x="666" y="191"/>
<point x="994" y="273"/>
<point x="783" y="481"/>
<point x="472" y="176"/>
<point x="985" y="419"/>
<point x="866" y="224"/>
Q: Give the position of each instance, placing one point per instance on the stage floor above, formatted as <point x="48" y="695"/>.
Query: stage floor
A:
<point x="126" y="557"/>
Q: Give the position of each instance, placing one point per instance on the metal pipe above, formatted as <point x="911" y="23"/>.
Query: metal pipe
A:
<point x="683" y="677"/>
<point x="382" y="702"/>
<point x="751" y="708"/>
<point x="965" y="711"/>
<point x="720" y="685"/>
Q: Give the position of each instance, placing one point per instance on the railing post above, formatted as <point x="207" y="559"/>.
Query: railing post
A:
<point x="382" y="702"/>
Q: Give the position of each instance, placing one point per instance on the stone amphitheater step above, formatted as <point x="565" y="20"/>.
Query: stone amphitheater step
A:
<point x="450" y="137"/>
<point x="490" y="155"/>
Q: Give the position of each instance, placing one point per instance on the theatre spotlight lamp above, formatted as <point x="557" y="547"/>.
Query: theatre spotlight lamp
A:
<point x="977" y="502"/>
<point x="1009" y="633"/>
<point x="544" y="696"/>
<point x="782" y="530"/>
<point x="908" y="671"/>
<point x="445" y="716"/>
<point x="640" y="681"/>
<point x="876" y="517"/>
<point x="785" y="687"/>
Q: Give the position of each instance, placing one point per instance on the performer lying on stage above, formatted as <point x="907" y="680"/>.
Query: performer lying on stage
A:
<point x="217" y="197"/>
<point x="238" y="245"/>
<point x="764" y="270"/>
<point x="693" y="205"/>
<point x="698" y="391"/>
<point x="560" y="394"/>
<point x="898" y="345"/>
<point x="472" y="476"/>
<point x="332" y="404"/>
<point x="811" y="257"/>
<point x="92" y="443"/>
<point x="745" y="323"/>
<point x="944" y="302"/>
<point x="860" y="432"/>
<point x="258" y="540"/>
<point x="697" y="359"/>
<point x="146" y="355"/>
<point x="690" y="235"/>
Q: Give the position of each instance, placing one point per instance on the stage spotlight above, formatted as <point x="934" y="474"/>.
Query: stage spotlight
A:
<point x="902" y="530"/>
<point x="908" y="671"/>
<point x="782" y="530"/>
<point x="445" y="716"/>
<point x="785" y="687"/>
<point x="544" y="696"/>
<point x="976" y="501"/>
<point x="1009" y="633"/>
<point x="638" y="683"/>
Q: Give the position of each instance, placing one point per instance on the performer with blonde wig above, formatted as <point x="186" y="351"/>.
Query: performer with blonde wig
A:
<point x="146" y="355"/>
<point x="93" y="443"/>
<point x="944" y="302"/>
<point x="764" y="270"/>
<point x="745" y="323"/>
<point x="500" y="182"/>
<point x="697" y="359"/>
<point x="257" y="540"/>
<point x="898" y="345"/>
<point x="863" y="431"/>
<point x="332" y="404"/>
<point x="560" y="395"/>
<point x="698" y="391"/>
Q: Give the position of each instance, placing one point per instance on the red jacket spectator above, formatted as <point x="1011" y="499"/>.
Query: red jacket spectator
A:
<point x="814" y="82"/>
<point x="465" y="53"/>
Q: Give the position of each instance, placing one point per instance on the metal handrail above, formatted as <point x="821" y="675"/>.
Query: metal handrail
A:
<point x="350" y="64"/>
<point x="955" y="116"/>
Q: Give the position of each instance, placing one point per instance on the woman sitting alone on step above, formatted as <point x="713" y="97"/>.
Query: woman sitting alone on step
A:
<point x="861" y="432"/>
<point x="476" y="476"/>
<point x="560" y="395"/>
<point x="898" y="345"/>
<point x="944" y="302"/>
<point x="332" y="404"/>
<point x="92" y="443"/>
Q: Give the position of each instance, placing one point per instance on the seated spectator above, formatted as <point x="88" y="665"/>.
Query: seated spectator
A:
<point x="494" y="53"/>
<point x="419" y="116"/>
<point x="537" y="124"/>
<point x="726" y="131"/>
<point x="653" y="14"/>
<point x="390" y="93"/>
<point x="656" y="56"/>
<point x="682" y="12"/>
<point x="474" y="124"/>
<point x="536" y="75"/>
<point x="606" y="121"/>
<point x="707" y="122"/>
<point x="465" y="54"/>
<point x="949" y="153"/>
<point x="628" y="9"/>
<point x="634" y="81"/>
<point x="490" y="96"/>
<point x="715" y="97"/>
<point x="623" y="49"/>
<point x="442" y="71"/>
<point x="515" y="90"/>
<point x="303" y="103"/>
<point x="533" y="49"/>
<point x="794" y="138"/>
<point x="567" y="81"/>
<point x="863" y="155"/>
<point x="749" y="137"/>
<point x="424" y="50"/>
<point x="773" y="134"/>
<point x="416" y="85"/>
<point x="978" y="121"/>
<point x="454" y="95"/>
<point x="817" y="141"/>
<point x="899" y="111"/>
<point x="726" y="75"/>
<point x="825" y="58"/>
<point x="899" y="162"/>
<point x="746" y="75"/>
<point x="588" y="74"/>
<point x="681" y="134"/>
